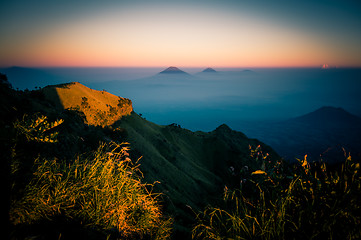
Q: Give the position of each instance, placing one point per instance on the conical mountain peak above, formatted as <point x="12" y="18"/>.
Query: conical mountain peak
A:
<point x="172" y="70"/>
<point x="326" y="116"/>
<point x="209" y="70"/>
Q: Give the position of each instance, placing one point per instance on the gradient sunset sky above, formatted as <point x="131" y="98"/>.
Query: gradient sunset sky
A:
<point x="188" y="33"/>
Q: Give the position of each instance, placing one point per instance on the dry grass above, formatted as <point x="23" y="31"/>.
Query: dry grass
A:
<point x="103" y="191"/>
<point x="99" y="107"/>
<point x="307" y="202"/>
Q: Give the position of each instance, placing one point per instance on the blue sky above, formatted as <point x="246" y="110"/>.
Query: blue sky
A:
<point x="183" y="33"/>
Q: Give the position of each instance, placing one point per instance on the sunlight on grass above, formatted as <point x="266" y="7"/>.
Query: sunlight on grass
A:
<point x="37" y="128"/>
<point x="102" y="190"/>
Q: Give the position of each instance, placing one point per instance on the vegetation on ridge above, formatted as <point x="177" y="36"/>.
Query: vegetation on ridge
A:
<point x="72" y="180"/>
<point x="99" y="108"/>
<point x="59" y="190"/>
<point x="280" y="201"/>
<point x="101" y="192"/>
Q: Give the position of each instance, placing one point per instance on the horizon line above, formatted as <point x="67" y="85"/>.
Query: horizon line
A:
<point x="193" y="67"/>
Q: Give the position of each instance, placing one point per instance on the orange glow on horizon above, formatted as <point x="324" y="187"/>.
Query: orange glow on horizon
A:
<point x="152" y="38"/>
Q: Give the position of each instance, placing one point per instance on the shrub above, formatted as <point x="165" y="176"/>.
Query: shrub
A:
<point x="309" y="202"/>
<point x="102" y="191"/>
<point x="37" y="128"/>
<point x="84" y="102"/>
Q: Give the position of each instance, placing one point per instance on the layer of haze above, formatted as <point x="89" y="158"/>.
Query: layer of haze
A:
<point x="203" y="101"/>
<point x="182" y="33"/>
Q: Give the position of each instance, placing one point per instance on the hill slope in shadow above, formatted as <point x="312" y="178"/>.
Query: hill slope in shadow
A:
<point x="326" y="133"/>
<point x="192" y="168"/>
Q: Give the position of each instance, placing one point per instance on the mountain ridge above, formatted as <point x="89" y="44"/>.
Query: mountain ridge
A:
<point x="173" y="70"/>
<point x="191" y="168"/>
<point x="326" y="129"/>
<point x="328" y="115"/>
<point x="209" y="70"/>
<point x="99" y="107"/>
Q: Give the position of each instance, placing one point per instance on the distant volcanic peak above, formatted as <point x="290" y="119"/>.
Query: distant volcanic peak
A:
<point x="327" y="115"/>
<point x="173" y="70"/>
<point x="329" y="111"/>
<point x="209" y="70"/>
<point x="330" y="108"/>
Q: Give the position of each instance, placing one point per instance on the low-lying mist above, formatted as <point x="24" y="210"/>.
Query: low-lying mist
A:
<point x="256" y="102"/>
<point x="202" y="101"/>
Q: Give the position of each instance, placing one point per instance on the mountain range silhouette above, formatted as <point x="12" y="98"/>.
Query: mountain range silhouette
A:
<point x="172" y="70"/>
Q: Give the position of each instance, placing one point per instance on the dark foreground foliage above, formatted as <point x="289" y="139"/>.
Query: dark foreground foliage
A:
<point x="280" y="201"/>
<point x="95" y="195"/>
<point x="101" y="192"/>
<point x="66" y="183"/>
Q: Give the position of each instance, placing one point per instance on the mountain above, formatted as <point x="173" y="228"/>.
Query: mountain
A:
<point x="173" y="70"/>
<point x="328" y="117"/>
<point x="191" y="168"/>
<point x="209" y="70"/>
<point x="99" y="107"/>
<point x="325" y="130"/>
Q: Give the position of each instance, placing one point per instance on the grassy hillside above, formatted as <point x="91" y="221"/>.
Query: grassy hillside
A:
<point x="281" y="201"/>
<point x="70" y="175"/>
<point x="190" y="169"/>
<point x="99" y="107"/>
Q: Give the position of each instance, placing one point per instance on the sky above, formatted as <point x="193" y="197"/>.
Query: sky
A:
<point x="197" y="33"/>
